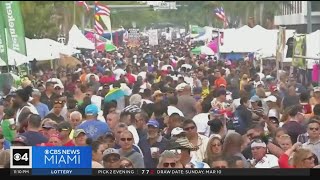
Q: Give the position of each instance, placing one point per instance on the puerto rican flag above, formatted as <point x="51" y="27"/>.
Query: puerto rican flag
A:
<point x="101" y="9"/>
<point x="83" y="3"/>
<point x="219" y="12"/>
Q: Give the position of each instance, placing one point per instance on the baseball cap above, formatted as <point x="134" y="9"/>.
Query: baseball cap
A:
<point x="274" y="88"/>
<point x="20" y="139"/>
<point x="77" y="132"/>
<point x="91" y="110"/>
<point x="273" y="113"/>
<point x="176" y="131"/>
<point x="271" y="99"/>
<point x="110" y="151"/>
<point x="181" y="86"/>
<point x="64" y="126"/>
<point x="58" y="85"/>
<point x="153" y="123"/>
<point x="255" y="98"/>
<point x="316" y="89"/>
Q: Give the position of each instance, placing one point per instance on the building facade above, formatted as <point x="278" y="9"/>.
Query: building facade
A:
<point x="295" y="16"/>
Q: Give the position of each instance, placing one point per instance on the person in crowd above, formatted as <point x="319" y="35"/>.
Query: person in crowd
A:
<point x="65" y="129"/>
<point x="92" y="126"/>
<point x="75" y="119"/>
<point x="54" y="140"/>
<point x="55" y="115"/>
<point x="8" y="126"/>
<point x="313" y="143"/>
<point x="79" y="93"/>
<point x="201" y="120"/>
<point x="49" y="127"/>
<point x="196" y="139"/>
<point x="127" y="116"/>
<point x="172" y="108"/>
<point x="111" y="158"/>
<point x="214" y="149"/>
<point x="42" y="108"/>
<point x="285" y="142"/>
<point x="235" y="162"/>
<point x="126" y="150"/>
<point x="302" y="158"/>
<point x="49" y="96"/>
<point x="108" y="140"/>
<point x="260" y="157"/>
<point x="186" y="103"/>
<point x="276" y="135"/>
<point x="291" y="99"/>
<point x="97" y="154"/>
<point x="219" y="162"/>
<point x="20" y="140"/>
<point x="112" y="120"/>
<point x="80" y="137"/>
<point x="21" y="101"/>
<point x="243" y="115"/>
<point x="32" y="133"/>
<point x="175" y="120"/>
<point x="142" y="119"/>
<point x="294" y="126"/>
<point x="168" y="160"/>
<point x="126" y="163"/>
<point x="154" y="145"/>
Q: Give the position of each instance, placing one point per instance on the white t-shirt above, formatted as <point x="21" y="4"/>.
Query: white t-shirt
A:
<point x="235" y="104"/>
<point x="268" y="161"/>
<point x="201" y="121"/>
<point x="118" y="73"/>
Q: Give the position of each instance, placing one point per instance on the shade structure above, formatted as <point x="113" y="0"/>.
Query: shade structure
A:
<point x="14" y="59"/>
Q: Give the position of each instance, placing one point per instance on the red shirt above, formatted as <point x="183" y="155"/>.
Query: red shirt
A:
<point x="107" y="79"/>
<point x="131" y="78"/>
<point x="220" y="81"/>
<point x="69" y="143"/>
<point x="284" y="161"/>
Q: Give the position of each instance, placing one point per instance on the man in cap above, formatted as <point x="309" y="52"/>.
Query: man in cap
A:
<point x="260" y="157"/>
<point x="111" y="158"/>
<point x="92" y="126"/>
<point x="186" y="103"/>
<point x="42" y="108"/>
<point x="20" y="141"/>
<point x="80" y="137"/>
<point x="65" y="129"/>
<point x="154" y="145"/>
<point x="273" y="120"/>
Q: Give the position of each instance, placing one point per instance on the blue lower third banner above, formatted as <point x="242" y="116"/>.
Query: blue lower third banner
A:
<point x="73" y="160"/>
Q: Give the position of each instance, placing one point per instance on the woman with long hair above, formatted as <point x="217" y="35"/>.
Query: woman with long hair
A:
<point x="302" y="158"/>
<point x="214" y="148"/>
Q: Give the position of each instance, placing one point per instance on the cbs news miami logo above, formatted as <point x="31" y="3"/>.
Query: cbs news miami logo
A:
<point x="21" y="157"/>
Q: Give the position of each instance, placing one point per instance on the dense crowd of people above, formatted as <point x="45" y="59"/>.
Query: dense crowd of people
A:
<point x="162" y="107"/>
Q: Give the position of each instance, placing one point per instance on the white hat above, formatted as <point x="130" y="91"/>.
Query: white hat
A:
<point x="259" y="83"/>
<point x="58" y="85"/>
<point x="316" y="89"/>
<point x="176" y="131"/>
<point x="273" y="113"/>
<point x="172" y="110"/>
<point x="181" y="86"/>
<point x="271" y="98"/>
<point x="258" y="144"/>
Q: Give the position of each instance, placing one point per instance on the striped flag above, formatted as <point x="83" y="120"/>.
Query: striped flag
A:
<point x="98" y="27"/>
<point x="83" y="3"/>
<point x="101" y="9"/>
<point x="219" y="12"/>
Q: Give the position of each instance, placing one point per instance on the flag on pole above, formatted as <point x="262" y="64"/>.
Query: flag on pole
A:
<point x="14" y="24"/>
<point x="83" y="3"/>
<point x="219" y="12"/>
<point x="101" y="9"/>
<point x="3" y="44"/>
<point x="98" y="27"/>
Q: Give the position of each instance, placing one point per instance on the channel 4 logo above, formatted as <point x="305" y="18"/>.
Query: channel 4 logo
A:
<point x="21" y="157"/>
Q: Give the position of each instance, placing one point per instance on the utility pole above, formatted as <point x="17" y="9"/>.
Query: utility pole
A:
<point x="309" y="23"/>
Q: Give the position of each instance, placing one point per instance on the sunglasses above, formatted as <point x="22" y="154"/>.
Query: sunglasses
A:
<point x="189" y="128"/>
<point x="309" y="158"/>
<point x="113" y="159"/>
<point x="169" y="164"/>
<point x="58" y="102"/>
<point x="311" y="129"/>
<point x="126" y="139"/>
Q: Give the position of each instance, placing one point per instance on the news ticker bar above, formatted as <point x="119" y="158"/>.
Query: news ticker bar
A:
<point x="163" y="172"/>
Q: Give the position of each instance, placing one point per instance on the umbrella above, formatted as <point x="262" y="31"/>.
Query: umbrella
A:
<point x="114" y="94"/>
<point x="196" y="51"/>
<point x="207" y="51"/>
<point x="110" y="47"/>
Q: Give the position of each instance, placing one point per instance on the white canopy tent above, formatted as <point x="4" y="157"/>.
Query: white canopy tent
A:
<point x="78" y="40"/>
<point x="14" y="59"/>
<point x="46" y="49"/>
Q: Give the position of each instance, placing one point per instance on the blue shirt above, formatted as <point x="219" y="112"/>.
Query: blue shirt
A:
<point x="94" y="128"/>
<point x="34" y="138"/>
<point x="42" y="109"/>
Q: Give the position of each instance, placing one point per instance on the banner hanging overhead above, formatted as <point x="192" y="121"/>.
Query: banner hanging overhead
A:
<point x="3" y="44"/>
<point x="14" y="24"/>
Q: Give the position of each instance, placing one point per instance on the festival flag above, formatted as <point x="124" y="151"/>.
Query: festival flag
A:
<point x="14" y="24"/>
<point x="83" y="3"/>
<point x="98" y="27"/>
<point x="101" y="9"/>
<point x="219" y="12"/>
<point x="3" y="44"/>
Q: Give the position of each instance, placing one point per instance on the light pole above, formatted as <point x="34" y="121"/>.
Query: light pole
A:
<point x="309" y="22"/>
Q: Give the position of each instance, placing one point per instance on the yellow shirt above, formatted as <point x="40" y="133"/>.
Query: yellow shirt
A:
<point x="205" y="92"/>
